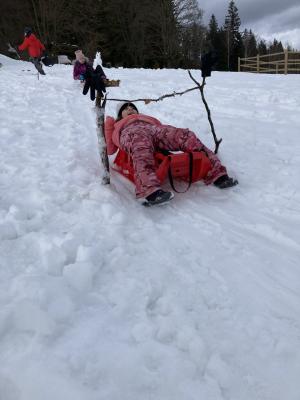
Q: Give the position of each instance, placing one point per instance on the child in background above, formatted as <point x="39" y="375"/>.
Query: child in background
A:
<point x="93" y="79"/>
<point x="34" y="47"/>
<point x="80" y="66"/>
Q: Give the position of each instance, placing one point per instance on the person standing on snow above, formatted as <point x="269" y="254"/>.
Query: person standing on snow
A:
<point x="141" y="135"/>
<point x="34" y="47"/>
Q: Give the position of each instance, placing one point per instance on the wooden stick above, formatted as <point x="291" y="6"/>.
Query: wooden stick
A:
<point x="201" y="88"/>
<point x="100" y="112"/>
<point x="147" y="100"/>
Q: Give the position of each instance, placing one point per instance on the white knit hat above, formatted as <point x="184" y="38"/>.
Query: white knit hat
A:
<point x="80" y="56"/>
<point x="121" y="104"/>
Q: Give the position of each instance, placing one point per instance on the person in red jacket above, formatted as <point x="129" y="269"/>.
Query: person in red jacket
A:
<point x="34" y="47"/>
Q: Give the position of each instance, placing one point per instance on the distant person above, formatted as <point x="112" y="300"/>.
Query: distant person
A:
<point x="93" y="79"/>
<point x="83" y="67"/>
<point x="35" y="49"/>
<point x="80" y="66"/>
<point x="142" y="135"/>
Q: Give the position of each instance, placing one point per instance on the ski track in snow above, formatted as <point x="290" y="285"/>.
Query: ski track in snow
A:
<point x="102" y="298"/>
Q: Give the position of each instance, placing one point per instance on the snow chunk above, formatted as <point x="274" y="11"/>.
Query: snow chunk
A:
<point x="4" y="323"/>
<point x="219" y="370"/>
<point x="80" y="275"/>
<point x="8" y="231"/>
<point x="29" y="317"/>
<point x="54" y="260"/>
<point x="61" y="308"/>
<point x="142" y="332"/>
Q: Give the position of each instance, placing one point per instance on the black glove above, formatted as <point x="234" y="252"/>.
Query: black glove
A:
<point x="208" y="60"/>
<point x="94" y="81"/>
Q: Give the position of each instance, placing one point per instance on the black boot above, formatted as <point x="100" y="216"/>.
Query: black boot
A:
<point x="38" y="65"/>
<point x="158" y="197"/>
<point x="225" y="182"/>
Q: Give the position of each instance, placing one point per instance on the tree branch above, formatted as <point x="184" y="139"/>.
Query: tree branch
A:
<point x="201" y="88"/>
<point x="147" y="101"/>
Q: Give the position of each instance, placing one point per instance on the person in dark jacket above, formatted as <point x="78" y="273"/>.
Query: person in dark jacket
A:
<point x="34" y="47"/>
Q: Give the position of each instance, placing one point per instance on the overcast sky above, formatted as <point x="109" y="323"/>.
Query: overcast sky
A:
<point x="269" y="19"/>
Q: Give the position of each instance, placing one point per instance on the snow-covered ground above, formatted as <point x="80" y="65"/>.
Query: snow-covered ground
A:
<point x="103" y="299"/>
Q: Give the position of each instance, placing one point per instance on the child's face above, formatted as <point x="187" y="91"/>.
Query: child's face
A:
<point x="128" y="110"/>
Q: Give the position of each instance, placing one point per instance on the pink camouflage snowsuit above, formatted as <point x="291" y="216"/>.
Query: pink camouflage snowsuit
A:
<point x="141" y="135"/>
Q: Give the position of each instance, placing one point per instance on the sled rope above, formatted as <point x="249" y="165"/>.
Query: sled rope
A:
<point x="191" y="163"/>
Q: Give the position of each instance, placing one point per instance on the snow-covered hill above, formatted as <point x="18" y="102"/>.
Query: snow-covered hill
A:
<point x="103" y="299"/>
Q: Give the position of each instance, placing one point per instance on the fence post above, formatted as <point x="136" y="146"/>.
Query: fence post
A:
<point x="286" y="56"/>
<point x="257" y="63"/>
<point x="239" y="64"/>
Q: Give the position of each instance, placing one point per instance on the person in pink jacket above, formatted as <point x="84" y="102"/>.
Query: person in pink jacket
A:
<point x="80" y="66"/>
<point x="142" y="135"/>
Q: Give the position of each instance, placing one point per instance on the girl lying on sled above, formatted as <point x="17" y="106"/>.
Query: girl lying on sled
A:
<point x="141" y="136"/>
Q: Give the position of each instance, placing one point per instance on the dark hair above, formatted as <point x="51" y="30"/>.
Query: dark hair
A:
<point x="123" y="108"/>
<point x="27" y="31"/>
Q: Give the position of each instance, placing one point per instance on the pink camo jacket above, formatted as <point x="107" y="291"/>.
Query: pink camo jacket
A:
<point x="113" y="129"/>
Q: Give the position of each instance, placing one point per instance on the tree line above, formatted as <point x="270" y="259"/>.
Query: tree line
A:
<point x="144" y="33"/>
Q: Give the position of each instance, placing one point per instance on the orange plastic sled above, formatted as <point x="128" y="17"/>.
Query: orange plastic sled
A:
<point x="190" y="167"/>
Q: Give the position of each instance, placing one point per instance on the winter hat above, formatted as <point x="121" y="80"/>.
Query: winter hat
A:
<point x="80" y="56"/>
<point x="27" y="31"/>
<point x="120" y="107"/>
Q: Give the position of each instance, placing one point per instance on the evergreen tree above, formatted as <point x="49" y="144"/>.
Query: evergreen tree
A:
<point x="252" y="46"/>
<point x="212" y="37"/>
<point x="249" y="42"/>
<point x="262" y="47"/>
<point x="276" y="47"/>
<point x="234" y="42"/>
<point x="215" y="41"/>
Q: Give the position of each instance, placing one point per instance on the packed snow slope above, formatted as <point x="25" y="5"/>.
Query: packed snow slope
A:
<point x="104" y="299"/>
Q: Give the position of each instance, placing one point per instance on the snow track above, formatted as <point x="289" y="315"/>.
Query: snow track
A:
<point x="101" y="298"/>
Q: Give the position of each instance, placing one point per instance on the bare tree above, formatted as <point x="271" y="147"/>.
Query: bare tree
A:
<point x="192" y="31"/>
<point x="13" y="16"/>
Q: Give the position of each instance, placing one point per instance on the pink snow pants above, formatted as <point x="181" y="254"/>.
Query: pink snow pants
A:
<point x="141" y="140"/>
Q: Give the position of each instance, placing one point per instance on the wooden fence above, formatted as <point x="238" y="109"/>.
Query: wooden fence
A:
<point x="287" y="62"/>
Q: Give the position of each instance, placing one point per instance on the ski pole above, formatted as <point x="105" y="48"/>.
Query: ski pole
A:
<point x="12" y="49"/>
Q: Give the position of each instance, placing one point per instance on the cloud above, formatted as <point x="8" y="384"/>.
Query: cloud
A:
<point x="255" y="10"/>
<point x="289" y="37"/>
<point x="267" y="18"/>
<point x="283" y="26"/>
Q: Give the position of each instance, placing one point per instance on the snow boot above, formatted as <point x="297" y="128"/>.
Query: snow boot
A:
<point x="225" y="182"/>
<point x="157" y="198"/>
<point x="38" y="65"/>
